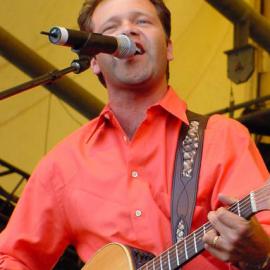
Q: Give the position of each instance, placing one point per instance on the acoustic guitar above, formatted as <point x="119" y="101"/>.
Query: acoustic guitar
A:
<point x="115" y="256"/>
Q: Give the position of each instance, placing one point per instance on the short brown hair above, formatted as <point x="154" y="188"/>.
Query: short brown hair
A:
<point x="89" y="6"/>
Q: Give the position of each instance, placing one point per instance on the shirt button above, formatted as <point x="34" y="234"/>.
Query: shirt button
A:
<point x="125" y="138"/>
<point x="134" y="174"/>
<point x="138" y="213"/>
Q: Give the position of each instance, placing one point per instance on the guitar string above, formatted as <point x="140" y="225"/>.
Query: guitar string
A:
<point x="157" y="262"/>
<point x="260" y="196"/>
<point x="245" y="211"/>
<point x="190" y="238"/>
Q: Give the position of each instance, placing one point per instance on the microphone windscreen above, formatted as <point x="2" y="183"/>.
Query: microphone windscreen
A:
<point x="126" y="47"/>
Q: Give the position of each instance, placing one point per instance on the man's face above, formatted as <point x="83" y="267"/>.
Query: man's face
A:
<point x="139" y="20"/>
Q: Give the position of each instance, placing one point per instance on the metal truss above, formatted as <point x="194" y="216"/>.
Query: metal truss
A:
<point x="8" y="200"/>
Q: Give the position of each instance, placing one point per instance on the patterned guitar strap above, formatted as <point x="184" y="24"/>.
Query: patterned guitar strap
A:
<point x="186" y="173"/>
<point x="185" y="182"/>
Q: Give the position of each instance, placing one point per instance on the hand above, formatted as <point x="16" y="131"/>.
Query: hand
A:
<point x="235" y="239"/>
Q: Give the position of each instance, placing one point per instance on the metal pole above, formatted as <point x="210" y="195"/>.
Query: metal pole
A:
<point x="257" y="101"/>
<point x="238" y="11"/>
<point x="34" y="65"/>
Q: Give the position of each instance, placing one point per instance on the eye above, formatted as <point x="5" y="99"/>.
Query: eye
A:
<point x="143" y="21"/>
<point x="109" y="28"/>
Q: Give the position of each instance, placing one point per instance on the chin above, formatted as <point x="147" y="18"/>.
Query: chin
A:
<point x="136" y="76"/>
<point x="135" y="81"/>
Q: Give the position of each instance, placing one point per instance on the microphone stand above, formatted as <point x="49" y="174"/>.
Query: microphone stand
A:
<point x="77" y="66"/>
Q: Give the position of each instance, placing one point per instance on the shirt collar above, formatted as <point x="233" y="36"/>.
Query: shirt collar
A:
<point x="99" y="121"/>
<point x="174" y="105"/>
<point x="170" y="102"/>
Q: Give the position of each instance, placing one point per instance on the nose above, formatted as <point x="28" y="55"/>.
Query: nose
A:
<point x="129" y="29"/>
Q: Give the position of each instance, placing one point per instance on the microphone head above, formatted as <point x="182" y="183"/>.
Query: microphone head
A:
<point x="126" y="47"/>
<point x="58" y="35"/>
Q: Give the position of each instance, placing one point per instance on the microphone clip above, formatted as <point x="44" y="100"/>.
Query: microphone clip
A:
<point x="81" y="64"/>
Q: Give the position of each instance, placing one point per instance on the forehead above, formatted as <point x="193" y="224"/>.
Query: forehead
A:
<point x="108" y="9"/>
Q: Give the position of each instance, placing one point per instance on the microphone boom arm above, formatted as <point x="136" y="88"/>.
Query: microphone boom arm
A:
<point x="77" y="66"/>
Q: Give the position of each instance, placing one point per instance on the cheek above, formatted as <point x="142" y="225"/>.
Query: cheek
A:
<point x="95" y="66"/>
<point x="101" y="63"/>
<point x="162" y="52"/>
<point x="161" y="45"/>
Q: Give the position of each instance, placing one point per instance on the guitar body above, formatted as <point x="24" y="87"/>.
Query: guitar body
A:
<point x="110" y="257"/>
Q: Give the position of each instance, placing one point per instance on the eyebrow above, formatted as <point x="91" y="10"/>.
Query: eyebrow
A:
<point x="132" y="14"/>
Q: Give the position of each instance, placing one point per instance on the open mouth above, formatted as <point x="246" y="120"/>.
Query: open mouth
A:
<point x="139" y="49"/>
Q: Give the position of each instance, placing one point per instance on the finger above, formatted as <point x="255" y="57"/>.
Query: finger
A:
<point x="211" y="238"/>
<point x="226" y="200"/>
<point x="219" y="247"/>
<point x="218" y="252"/>
<point x="233" y="230"/>
<point x="223" y="220"/>
<point x="213" y="244"/>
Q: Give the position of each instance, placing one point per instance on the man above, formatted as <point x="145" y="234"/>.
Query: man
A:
<point x="111" y="180"/>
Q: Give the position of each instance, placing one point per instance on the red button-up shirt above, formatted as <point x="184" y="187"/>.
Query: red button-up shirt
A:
<point x="97" y="186"/>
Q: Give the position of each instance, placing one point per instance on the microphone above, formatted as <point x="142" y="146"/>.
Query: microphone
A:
<point x="92" y="43"/>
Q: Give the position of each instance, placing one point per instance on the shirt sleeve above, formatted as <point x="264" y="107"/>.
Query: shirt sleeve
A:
<point x="232" y="164"/>
<point x="36" y="234"/>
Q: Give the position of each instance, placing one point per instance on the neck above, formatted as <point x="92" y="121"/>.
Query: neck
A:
<point x="130" y="104"/>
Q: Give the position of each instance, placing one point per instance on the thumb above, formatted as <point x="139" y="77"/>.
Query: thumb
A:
<point x="226" y="200"/>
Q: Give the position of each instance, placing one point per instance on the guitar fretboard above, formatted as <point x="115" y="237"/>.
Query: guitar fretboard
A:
<point x="185" y="250"/>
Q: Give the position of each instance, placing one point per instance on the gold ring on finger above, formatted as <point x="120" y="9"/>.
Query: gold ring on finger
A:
<point x="214" y="243"/>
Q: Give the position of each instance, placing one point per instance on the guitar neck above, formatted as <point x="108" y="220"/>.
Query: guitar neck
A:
<point x="192" y="245"/>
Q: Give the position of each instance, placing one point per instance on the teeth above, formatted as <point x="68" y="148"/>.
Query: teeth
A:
<point x="138" y="50"/>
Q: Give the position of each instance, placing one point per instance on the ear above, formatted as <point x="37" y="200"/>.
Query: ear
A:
<point x="95" y="66"/>
<point x="169" y="50"/>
